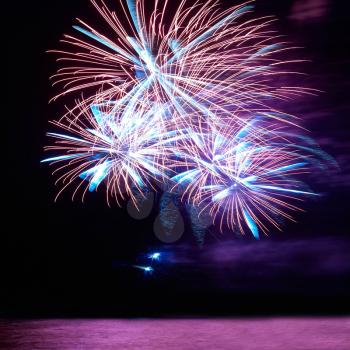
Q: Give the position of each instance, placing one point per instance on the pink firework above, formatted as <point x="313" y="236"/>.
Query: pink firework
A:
<point x="183" y="98"/>
<point x="197" y="60"/>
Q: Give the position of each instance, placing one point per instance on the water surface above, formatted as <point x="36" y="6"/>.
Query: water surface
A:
<point x="176" y="334"/>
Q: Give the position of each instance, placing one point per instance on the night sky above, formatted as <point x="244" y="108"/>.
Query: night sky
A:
<point x="76" y="259"/>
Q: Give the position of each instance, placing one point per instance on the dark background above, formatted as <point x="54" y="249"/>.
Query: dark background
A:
<point x="73" y="259"/>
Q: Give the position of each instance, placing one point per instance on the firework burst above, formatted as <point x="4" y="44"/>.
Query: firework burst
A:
<point x="186" y="98"/>
<point x="200" y="61"/>
<point x="246" y="178"/>
<point x="130" y="154"/>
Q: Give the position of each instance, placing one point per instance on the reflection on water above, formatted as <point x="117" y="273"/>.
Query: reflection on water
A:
<point x="179" y="334"/>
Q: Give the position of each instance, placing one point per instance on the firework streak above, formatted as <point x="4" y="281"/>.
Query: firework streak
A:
<point x="184" y="101"/>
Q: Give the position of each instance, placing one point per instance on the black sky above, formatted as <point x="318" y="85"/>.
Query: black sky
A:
<point x="73" y="259"/>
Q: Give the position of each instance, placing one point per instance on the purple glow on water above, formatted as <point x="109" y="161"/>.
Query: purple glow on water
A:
<point x="177" y="334"/>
